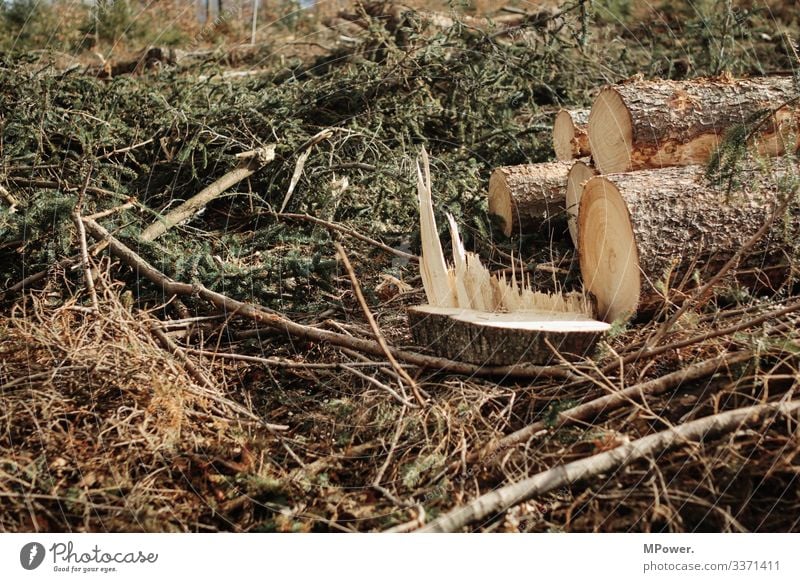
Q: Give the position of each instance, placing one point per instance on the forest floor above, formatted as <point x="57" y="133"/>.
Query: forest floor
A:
<point x="223" y="376"/>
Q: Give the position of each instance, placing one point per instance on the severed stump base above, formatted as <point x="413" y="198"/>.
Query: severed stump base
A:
<point x="503" y="339"/>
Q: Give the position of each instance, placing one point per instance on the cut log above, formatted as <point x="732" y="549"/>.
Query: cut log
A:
<point x="644" y="232"/>
<point x="570" y="136"/>
<point x="503" y="339"/>
<point x="526" y="196"/>
<point x="654" y="124"/>
<point x="580" y="173"/>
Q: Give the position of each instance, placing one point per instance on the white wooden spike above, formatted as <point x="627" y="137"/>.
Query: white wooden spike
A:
<point x="460" y="263"/>
<point x="475" y="280"/>
<point x="469" y="284"/>
<point x="433" y="268"/>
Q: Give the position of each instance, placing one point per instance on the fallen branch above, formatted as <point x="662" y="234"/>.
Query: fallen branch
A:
<point x="287" y="326"/>
<point x="88" y="275"/>
<point x="590" y="411"/>
<point x="646" y="353"/>
<point x="251" y="163"/>
<point x="564" y="475"/>
<point x="284" y="363"/>
<point x="374" y="325"/>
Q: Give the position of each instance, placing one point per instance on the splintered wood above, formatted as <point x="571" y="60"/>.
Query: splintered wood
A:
<point x="475" y="316"/>
<point x="468" y="284"/>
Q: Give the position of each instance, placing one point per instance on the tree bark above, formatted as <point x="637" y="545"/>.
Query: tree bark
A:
<point x="503" y="339"/>
<point x="643" y="233"/>
<point x="570" y="134"/>
<point x="527" y="196"/>
<point x="654" y="124"/>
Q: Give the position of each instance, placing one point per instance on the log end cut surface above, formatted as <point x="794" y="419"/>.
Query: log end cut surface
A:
<point x="570" y="140"/>
<point x="609" y="259"/>
<point x="579" y="174"/>
<point x="500" y="200"/>
<point x="503" y="339"/>
<point x="610" y="132"/>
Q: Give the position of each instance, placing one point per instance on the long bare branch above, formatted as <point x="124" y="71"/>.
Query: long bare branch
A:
<point x="563" y="475"/>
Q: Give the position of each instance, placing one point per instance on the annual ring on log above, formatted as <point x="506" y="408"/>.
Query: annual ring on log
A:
<point x="651" y="236"/>
<point x="579" y="174"/>
<point x="611" y="132"/>
<point x="607" y="244"/>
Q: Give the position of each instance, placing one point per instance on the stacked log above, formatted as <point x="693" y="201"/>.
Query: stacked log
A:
<point x="525" y="196"/>
<point x="644" y="233"/>
<point x="642" y="212"/>
<point x="650" y="222"/>
<point x="654" y="124"/>
<point x="570" y="134"/>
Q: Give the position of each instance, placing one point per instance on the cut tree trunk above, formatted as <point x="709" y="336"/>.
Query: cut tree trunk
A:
<point x="653" y="124"/>
<point x="643" y="233"/>
<point x="480" y="317"/>
<point x="580" y="173"/>
<point x="487" y="338"/>
<point x="526" y="196"/>
<point x="570" y="134"/>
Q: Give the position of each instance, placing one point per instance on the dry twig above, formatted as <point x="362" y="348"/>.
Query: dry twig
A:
<point x="374" y="325"/>
<point x="592" y="410"/>
<point x="250" y="165"/>
<point x="697" y="430"/>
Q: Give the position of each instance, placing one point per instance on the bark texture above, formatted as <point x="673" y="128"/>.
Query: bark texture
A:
<point x="676" y="123"/>
<point x="457" y="334"/>
<point x="527" y="196"/>
<point x="570" y="134"/>
<point x="683" y="224"/>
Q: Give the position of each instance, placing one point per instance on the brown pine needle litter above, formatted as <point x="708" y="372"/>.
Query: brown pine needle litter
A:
<point x="101" y="425"/>
<point x="103" y="428"/>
